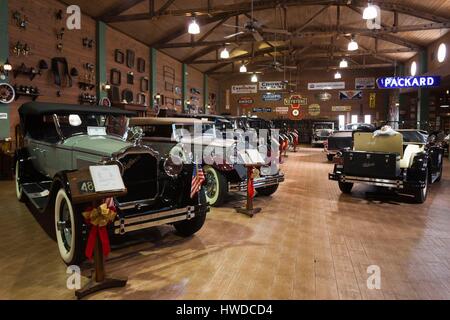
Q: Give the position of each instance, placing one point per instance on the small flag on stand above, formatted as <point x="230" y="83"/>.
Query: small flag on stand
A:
<point x="197" y="179"/>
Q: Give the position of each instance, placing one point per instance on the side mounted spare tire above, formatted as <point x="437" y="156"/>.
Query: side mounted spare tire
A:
<point x="17" y="177"/>
<point x="68" y="229"/>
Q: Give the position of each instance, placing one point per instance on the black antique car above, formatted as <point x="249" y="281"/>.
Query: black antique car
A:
<point x="61" y="138"/>
<point x="320" y="132"/>
<point x="224" y="169"/>
<point x="404" y="162"/>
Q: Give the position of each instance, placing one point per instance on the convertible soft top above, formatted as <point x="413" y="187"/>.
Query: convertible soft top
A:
<point x="38" y="108"/>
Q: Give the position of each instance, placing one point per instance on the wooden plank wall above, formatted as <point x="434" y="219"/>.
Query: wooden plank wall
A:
<point x="165" y="84"/>
<point x="117" y="40"/>
<point x="40" y="35"/>
<point x="213" y="94"/>
<point x="195" y="81"/>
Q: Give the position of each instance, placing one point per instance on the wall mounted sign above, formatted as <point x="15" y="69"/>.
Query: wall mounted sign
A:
<point x="282" y="110"/>
<point x="350" y="95"/>
<point x="272" y="85"/>
<point x="341" y="108"/>
<point x="326" y="85"/>
<point x="295" y="101"/>
<point x="244" y="88"/>
<point x="364" y="83"/>
<point x="3" y="116"/>
<point x="262" y="110"/>
<point x="314" y="109"/>
<point x="372" y="100"/>
<point x="323" y="96"/>
<point x="245" y="101"/>
<point x="408" y="82"/>
<point x="177" y="90"/>
<point x="272" y="97"/>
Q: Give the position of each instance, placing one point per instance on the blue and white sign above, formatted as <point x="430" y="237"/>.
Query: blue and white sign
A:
<point x="272" y="97"/>
<point x="408" y="82"/>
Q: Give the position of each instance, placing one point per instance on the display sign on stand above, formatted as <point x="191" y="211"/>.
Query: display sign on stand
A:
<point x="93" y="186"/>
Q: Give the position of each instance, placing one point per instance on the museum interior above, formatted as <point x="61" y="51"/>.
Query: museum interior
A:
<point x="224" y="150"/>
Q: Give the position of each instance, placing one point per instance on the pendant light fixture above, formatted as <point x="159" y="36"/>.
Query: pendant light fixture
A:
<point x="352" y="45"/>
<point x="337" y="75"/>
<point x="370" y="12"/>
<point x="254" y="78"/>
<point x="194" y="28"/>
<point x="243" y="68"/>
<point x="343" y="64"/>
<point x="224" y="54"/>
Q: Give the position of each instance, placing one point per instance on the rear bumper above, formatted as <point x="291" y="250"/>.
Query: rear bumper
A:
<point x="264" y="181"/>
<point x="398" y="184"/>
<point x="150" y="219"/>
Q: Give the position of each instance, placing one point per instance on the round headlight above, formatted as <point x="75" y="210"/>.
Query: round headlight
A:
<point x="173" y="166"/>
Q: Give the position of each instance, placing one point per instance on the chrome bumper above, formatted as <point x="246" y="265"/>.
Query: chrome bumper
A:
<point x="123" y="225"/>
<point x="264" y="181"/>
<point x="396" y="183"/>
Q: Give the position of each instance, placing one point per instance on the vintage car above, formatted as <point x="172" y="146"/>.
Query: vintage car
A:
<point x="222" y="172"/>
<point x="340" y="140"/>
<point x="320" y="132"/>
<point x="403" y="162"/>
<point x="60" y="138"/>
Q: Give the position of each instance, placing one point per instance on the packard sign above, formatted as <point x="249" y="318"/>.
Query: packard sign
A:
<point x="408" y="82"/>
<point x="245" y="101"/>
<point x="295" y="101"/>
<point x="272" y="97"/>
<point x="272" y="85"/>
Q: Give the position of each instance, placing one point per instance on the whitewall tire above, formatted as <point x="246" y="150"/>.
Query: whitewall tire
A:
<point x="216" y="186"/>
<point x="67" y="228"/>
<point x="19" y="190"/>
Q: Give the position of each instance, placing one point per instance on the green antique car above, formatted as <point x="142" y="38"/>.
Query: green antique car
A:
<point x="60" y="138"/>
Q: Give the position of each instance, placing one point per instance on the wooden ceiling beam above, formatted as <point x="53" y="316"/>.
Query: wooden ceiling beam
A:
<point x="201" y="53"/>
<point x="310" y="20"/>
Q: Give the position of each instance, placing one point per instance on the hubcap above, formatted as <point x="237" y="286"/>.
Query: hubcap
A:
<point x="211" y="186"/>
<point x="65" y="226"/>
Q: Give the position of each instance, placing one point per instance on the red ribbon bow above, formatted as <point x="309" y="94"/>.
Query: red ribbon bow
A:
<point x="92" y="238"/>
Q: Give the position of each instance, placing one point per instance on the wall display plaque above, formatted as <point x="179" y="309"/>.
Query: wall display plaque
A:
<point x="169" y="74"/>
<point x="169" y="102"/>
<point x="272" y="97"/>
<point x="144" y="84"/>
<point x="141" y="98"/>
<point x="260" y="110"/>
<point x="177" y="90"/>
<point x="314" y="109"/>
<point x="130" y="77"/>
<point x="130" y="58"/>
<point x="245" y="101"/>
<point x="372" y="100"/>
<point x="115" y="77"/>
<point x="364" y="83"/>
<point x="119" y="56"/>
<point x="323" y="96"/>
<point x="141" y="65"/>
<point x="244" y="88"/>
<point x="272" y="85"/>
<point x="326" y="85"/>
<point x="127" y="96"/>
<point x="178" y="102"/>
<point x="341" y="108"/>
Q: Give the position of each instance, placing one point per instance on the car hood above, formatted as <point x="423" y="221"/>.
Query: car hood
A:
<point x="103" y="145"/>
<point x="208" y="141"/>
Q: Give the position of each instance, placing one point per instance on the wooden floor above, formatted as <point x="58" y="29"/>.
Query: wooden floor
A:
<point x="309" y="242"/>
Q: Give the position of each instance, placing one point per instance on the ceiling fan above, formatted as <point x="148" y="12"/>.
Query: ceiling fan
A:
<point x="276" y="65"/>
<point x="254" y="28"/>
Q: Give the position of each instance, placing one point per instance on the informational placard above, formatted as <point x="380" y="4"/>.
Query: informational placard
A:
<point x="350" y="95"/>
<point x="96" y="131"/>
<point x="326" y="85"/>
<point x="251" y="157"/>
<point x="364" y="83"/>
<point x="408" y="82"/>
<point x="106" y="178"/>
<point x="272" y="97"/>
<point x="282" y="110"/>
<point x="244" y="88"/>
<point x="341" y="108"/>
<point x="272" y="85"/>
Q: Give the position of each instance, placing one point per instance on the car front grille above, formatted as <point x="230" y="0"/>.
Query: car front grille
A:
<point x="140" y="176"/>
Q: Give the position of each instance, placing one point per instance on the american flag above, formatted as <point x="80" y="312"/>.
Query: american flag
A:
<point x="197" y="179"/>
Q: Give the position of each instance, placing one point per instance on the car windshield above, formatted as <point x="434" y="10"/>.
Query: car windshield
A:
<point x="412" y="136"/>
<point x="94" y="125"/>
<point x="208" y="129"/>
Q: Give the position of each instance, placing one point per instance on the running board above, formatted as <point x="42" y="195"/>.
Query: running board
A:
<point x="38" y="193"/>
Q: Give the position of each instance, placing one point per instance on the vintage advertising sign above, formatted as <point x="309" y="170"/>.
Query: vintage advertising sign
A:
<point x="272" y="85"/>
<point x="364" y="83"/>
<point x="282" y="110"/>
<point x="244" y="88"/>
<point x="350" y="95"/>
<point x="314" y="109"/>
<point x="245" y="101"/>
<point x="295" y="101"/>
<point x="272" y="97"/>
<point x="262" y="109"/>
<point x="408" y="82"/>
<point x="323" y="96"/>
<point x="372" y="100"/>
<point x="341" y="108"/>
<point x="326" y="85"/>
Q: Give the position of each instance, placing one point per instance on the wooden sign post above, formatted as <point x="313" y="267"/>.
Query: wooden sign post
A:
<point x="248" y="209"/>
<point x="83" y="191"/>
